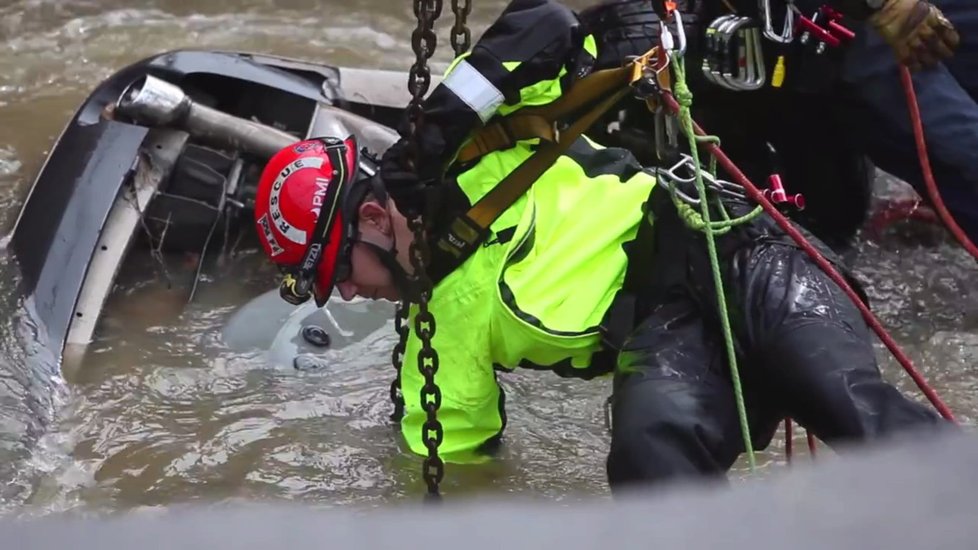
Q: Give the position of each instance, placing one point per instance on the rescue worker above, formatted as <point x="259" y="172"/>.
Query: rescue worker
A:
<point x="947" y="94"/>
<point x="834" y="112"/>
<point x="589" y="272"/>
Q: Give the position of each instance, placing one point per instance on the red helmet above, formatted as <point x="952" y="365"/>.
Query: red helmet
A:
<point x="299" y="214"/>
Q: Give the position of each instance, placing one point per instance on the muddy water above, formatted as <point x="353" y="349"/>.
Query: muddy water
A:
<point x="163" y="409"/>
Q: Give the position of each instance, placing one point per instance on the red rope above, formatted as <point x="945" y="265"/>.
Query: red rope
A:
<point x="932" y="192"/>
<point x="789" y="439"/>
<point x="738" y="176"/>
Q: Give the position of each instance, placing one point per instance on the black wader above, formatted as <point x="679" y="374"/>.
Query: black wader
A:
<point x="803" y="349"/>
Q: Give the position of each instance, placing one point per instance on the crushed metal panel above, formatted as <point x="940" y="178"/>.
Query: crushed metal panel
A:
<point x="160" y="152"/>
<point x="377" y="87"/>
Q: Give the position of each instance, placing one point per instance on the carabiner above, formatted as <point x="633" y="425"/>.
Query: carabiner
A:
<point x="682" y="174"/>
<point x="724" y="59"/>
<point x="665" y="35"/>
<point x="712" y="51"/>
<point x="756" y="69"/>
<point x="734" y="51"/>
<point x="743" y="68"/>
<point x="787" y="33"/>
<point x="733" y="57"/>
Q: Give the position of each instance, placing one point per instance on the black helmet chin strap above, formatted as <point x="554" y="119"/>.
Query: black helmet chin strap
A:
<point x="388" y="257"/>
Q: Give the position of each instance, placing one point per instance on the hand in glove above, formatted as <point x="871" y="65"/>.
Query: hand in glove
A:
<point x="401" y="180"/>
<point x="917" y="31"/>
<point x="394" y="165"/>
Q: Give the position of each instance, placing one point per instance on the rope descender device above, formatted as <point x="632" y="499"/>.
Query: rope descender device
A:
<point x="657" y="80"/>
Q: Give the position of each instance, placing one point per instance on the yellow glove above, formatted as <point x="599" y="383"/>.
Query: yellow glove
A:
<point x="917" y="31"/>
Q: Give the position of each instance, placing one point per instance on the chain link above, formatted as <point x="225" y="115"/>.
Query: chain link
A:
<point x="461" y="35"/>
<point x="397" y="358"/>
<point x="432" y="433"/>
<point x="423" y="42"/>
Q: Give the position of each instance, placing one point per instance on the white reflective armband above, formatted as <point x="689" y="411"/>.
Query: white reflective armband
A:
<point x="474" y="90"/>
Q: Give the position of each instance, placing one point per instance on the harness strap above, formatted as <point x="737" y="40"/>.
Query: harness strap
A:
<point x="541" y="122"/>
<point x="505" y="132"/>
<point x="465" y="232"/>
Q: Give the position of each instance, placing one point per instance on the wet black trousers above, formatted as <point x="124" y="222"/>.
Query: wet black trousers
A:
<point x="804" y="352"/>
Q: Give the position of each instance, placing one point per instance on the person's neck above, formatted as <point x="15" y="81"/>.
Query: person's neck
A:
<point x="403" y="236"/>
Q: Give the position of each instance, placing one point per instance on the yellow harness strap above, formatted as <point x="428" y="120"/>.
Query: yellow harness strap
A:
<point x="466" y="231"/>
<point x="541" y="122"/>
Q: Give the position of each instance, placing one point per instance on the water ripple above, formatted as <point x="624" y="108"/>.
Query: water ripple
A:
<point x="163" y="411"/>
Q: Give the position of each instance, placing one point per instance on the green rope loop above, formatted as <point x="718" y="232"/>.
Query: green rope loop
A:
<point x="694" y="219"/>
<point x="701" y="222"/>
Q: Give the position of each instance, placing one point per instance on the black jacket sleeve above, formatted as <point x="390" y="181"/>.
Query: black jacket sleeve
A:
<point x="542" y="35"/>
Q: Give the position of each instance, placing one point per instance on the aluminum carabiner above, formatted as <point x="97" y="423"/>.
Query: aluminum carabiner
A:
<point x="733" y="45"/>
<point x="682" y="174"/>
<point x="787" y="34"/>
<point x="712" y="51"/>
<point x="756" y="70"/>
<point x="665" y="35"/>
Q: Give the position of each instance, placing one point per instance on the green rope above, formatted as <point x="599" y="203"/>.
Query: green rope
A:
<point x="695" y="219"/>
<point x="685" y="99"/>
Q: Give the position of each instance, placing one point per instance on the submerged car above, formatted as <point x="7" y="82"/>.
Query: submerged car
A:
<point x="165" y="152"/>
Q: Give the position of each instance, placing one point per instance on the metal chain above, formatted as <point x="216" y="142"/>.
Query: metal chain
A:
<point x="423" y="42"/>
<point x="397" y="358"/>
<point x="461" y="35"/>
<point x="432" y="434"/>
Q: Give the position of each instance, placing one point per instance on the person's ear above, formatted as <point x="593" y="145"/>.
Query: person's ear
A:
<point x="373" y="214"/>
